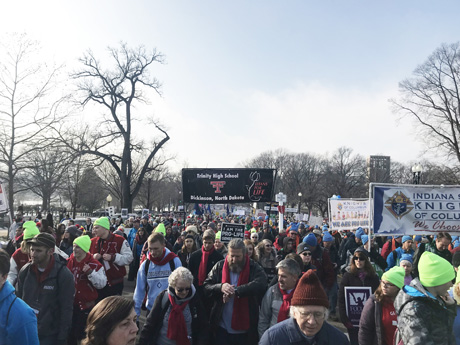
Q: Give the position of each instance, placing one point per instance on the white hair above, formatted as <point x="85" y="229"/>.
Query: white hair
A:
<point x="180" y="273"/>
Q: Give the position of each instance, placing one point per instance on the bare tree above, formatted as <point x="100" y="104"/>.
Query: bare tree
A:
<point x="27" y="107"/>
<point x="118" y="90"/>
<point x="432" y="98"/>
<point x="45" y="174"/>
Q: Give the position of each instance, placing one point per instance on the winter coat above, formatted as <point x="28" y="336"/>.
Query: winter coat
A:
<point x="156" y="280"/>
<point x="370" y="324"/>
<point x="17" y="261"/>
<point x="269" y="309"/>
<point x="288" y="332"/>
<point x="395" y="256"/>
<point x="422" y="318"/>
<point x="86" y="284"/>
<point x="268" y="263"/>
<point x="351" y="279"/>
<point x="121" y="253"/>
<point x="253" y="290"/>
<point x="52" y="299"/>
<point x="162" y="306"/>
<point x="324" y="268"/>
<point x="195" y="260"/>
<point x="22" y="323"/>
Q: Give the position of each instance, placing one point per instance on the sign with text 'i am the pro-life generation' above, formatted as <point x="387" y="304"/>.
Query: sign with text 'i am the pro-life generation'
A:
<point x="230" y="231"/>
<point x="416" y="209"/>
<point x="226" y="186"/>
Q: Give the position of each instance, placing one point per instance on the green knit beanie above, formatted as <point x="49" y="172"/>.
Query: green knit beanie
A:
<point x="218" y="235"/>
<point x="103" y="222"/>
<point x="161" y="228"/>
<point x="84" y="242"/>
<point x="434" y="270"/>
<point x="395" y="276"/>
<point x="30" y="230"/>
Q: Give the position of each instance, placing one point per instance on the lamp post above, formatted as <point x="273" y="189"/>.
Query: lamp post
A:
<point x="417" y="173"/>
<point x="300" y="196"/>
<point x="109" y="200"/>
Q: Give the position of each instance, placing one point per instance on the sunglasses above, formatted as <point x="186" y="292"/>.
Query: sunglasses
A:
<point x="358" y="258"/>
<point x="183" y="289"/>
<point x="306" y="254"/>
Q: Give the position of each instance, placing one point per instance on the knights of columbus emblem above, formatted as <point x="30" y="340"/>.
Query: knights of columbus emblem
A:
<point x="399" y="205"/>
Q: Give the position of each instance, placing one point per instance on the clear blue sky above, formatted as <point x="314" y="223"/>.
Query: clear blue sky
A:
<point x="243" y="77"/>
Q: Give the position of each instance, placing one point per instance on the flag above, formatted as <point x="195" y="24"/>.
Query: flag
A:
<point x="198" y="210"/>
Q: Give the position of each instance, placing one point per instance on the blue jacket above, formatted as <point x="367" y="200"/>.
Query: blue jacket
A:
<point x="399" y="251"/>
<point x="132" y="236"/>
<point x="156" y="279"/>
<point x="288" y="332"/>
<point x="22" y="323"/>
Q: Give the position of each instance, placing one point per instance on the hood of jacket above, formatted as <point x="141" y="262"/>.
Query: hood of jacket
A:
<point x="6" y="291"/>
<point x="410" y="292"/>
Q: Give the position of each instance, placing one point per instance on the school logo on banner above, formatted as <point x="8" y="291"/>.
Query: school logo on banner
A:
<point x="399" y="205"/>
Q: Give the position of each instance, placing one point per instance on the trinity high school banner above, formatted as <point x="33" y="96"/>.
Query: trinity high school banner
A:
<point x="415" y="209"/>
<point x="348" y="214"/>
<point x="226" y="186"/>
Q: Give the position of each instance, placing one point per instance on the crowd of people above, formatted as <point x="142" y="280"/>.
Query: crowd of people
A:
<point x="63" y="284"/>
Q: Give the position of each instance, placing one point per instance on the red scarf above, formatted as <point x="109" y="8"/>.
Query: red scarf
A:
<point x="240" y="316"/>
<point x="41" y="276"/>
<point x="203" y="265"/>
<point x="163" y="260"/>
<point x="284" y="310"/>
<point x="177" y="329"/>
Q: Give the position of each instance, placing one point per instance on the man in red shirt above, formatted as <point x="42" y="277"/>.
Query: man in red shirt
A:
<point x="114" y="253"/>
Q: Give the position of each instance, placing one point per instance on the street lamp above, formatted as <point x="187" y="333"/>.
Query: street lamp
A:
<point x="300" y="196"/>
<point x="417" y="173"/>
<point x="109" y="200"/>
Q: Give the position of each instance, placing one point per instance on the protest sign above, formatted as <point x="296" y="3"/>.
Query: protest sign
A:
<point x="3" y="203"/>
<point x="227" y="186"/>
<point x="355" y="298"/>
<point x="347" y="214"/>
<point x="230" y="231"/>
<point x="415" y="209"/>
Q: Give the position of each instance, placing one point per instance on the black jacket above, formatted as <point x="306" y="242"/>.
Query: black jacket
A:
<point x="195" y="260"/>
<point x="154" y="321"/>
<point x="53" y="298"/>
<point x="253" y="290"/>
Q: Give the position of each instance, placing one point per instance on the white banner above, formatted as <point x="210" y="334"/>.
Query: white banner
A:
<point x="3" y="203"/>
<point x="348" y="214"/>
<point x="415" y="209"/>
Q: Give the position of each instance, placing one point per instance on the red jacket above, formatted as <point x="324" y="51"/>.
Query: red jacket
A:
<point x="112" y="245"/>
<point x="85" y="293"/>
<point x="20" y="258"/>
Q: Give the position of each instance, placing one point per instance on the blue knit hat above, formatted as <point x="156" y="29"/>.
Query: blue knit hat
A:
<point x="407" y="257"/>
<point x="359" y="232"/>
<point x="406" y="238"/>
<point x="397" y="236"/>
<point x="418" y="238"/>
<point x="294" y="227"/>
<point x="310" y="239"/>
<point x="364" y="239"/>
<point x="327" y="237"/>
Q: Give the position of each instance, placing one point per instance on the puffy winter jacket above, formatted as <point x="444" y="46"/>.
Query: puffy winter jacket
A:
<point x="422" y="318"/>
<point x="18" y="324"/>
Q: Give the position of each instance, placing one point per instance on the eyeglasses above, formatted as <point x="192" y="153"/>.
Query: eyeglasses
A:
<point x="183" y="289"/>
<point x="317" y="315"/>
<point x="306" y="254"/>
<point x="358" y="258"/>
<point x="387" y="284"/>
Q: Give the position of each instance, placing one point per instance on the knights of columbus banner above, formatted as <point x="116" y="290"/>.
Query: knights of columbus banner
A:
<point x="415" y="209"/>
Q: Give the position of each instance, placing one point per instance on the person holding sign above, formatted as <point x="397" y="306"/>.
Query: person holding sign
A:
<point x="360" y="274"/>
<point x="378" y="319"/>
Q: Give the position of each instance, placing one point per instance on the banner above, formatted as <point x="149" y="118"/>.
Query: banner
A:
<point x="355" y="297"/>
<point x="348" y="214"/>
<point x="230" y="231"/>
<point x="227" y="186"/>
<point x="3" y="203"/>
<point x="415" y="209"/>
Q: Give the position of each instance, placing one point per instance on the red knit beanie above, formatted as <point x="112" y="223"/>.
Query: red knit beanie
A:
<point x="309" y="291"/>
